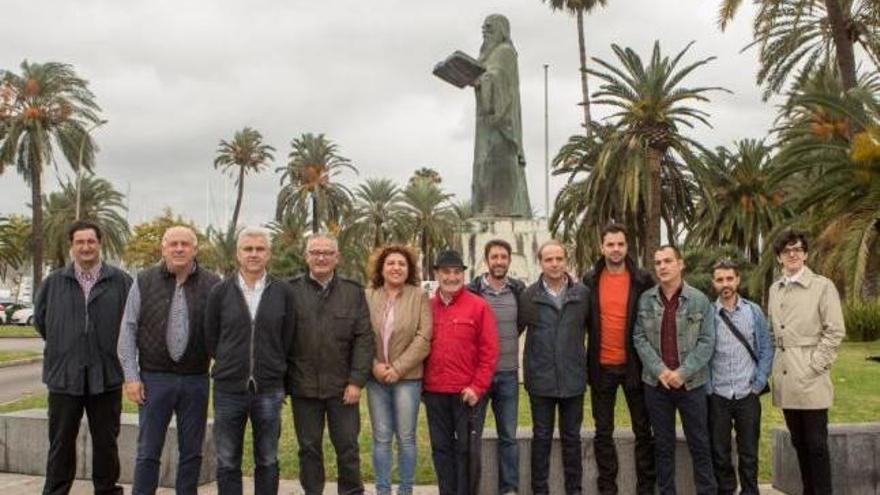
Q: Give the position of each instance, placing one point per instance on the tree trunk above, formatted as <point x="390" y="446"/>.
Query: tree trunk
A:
<point x="37" y="225"/>
<point x="582" y="45"/>
<point x="843" y="45"/>
<point x="237" y="209"/>
<point x="426" y="269"/>
<point x="652" y="229"/>
<point x="316" y="224"/>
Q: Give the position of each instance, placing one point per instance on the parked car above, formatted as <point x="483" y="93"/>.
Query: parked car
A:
<point x="9" y="307"/>
<point x="24" y="316"/>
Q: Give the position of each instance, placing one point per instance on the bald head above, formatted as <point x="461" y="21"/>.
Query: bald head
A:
<point x="179" y="248"/>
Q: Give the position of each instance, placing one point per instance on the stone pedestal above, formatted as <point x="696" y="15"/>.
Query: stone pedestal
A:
<point x="24" y="443"/>
<point x="524" y="236"/>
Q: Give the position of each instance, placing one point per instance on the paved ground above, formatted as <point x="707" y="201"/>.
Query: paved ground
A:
<point x="32" y="485"/>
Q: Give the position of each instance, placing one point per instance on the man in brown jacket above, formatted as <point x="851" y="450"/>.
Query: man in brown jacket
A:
<point x="807" y="323"/>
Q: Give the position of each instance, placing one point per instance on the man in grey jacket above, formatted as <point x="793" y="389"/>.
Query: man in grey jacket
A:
<point x="554" y="313"/>
<point x="675" y="336"/>
<point x="77" y="312"/>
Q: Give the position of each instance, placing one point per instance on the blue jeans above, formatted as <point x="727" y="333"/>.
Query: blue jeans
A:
<point x="394" y="411"/>
<point x="504" y="396"/>
<point x="692" y="407"/>
<point x="231" y="413"/>
<point x="186" y="396"/>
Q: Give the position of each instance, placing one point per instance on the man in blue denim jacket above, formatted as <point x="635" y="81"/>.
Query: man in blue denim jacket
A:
<point x="674" y="337"/>
<point x="737" y="375"/>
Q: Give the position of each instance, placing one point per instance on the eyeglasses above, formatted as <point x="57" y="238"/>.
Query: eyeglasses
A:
<point x="792" y="251"/>
<point x="317" y="254"/>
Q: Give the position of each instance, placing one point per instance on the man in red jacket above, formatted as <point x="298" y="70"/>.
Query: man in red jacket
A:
<point x="458" y="371"/>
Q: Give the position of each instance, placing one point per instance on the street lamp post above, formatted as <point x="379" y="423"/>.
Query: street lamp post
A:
<point x="82" y="145"/>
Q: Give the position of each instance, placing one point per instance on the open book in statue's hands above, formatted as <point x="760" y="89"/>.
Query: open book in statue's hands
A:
<point x="459" y="69"/>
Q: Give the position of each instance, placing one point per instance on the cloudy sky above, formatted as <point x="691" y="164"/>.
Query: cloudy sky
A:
<point x="173" y="78"/>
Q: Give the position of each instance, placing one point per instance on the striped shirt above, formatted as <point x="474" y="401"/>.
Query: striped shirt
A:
<point x="732" y="366"/>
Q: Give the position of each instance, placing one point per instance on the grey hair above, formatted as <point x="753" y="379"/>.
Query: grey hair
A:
<point x="255" y="232"/>
<point x="192" y="234"/>
<point x="321" y="235"/>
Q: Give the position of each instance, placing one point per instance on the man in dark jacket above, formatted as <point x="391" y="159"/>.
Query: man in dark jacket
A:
<point x="162" y="351"/>
<point x="502" y="294"/>
<point x="616" y="284"/>
<point x="332" y="358"/>
<point x="554" y="313"/>
<point x="249" y="328"/>
<point x="77" y="312"/>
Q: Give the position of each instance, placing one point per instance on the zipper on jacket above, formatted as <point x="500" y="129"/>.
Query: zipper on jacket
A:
<point x="251" y="379"/>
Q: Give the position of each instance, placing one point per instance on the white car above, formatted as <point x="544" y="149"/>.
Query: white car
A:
<point x="24" y="316"/>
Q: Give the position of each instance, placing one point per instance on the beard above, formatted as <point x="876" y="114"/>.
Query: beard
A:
<point x="488" y="45"/>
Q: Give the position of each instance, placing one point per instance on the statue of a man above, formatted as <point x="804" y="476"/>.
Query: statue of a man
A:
<point x="499" y="182"/>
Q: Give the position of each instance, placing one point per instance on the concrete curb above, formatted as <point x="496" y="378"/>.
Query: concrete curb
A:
<point x="21" y="362"/>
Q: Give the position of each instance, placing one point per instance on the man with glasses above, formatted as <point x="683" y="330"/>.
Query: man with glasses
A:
<point x="808" y="327"/>
<point x="332" y="358"/>
<point x="738" y="374"/>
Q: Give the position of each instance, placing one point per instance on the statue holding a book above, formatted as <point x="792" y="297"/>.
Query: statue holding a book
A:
<point x="499" y="183"/>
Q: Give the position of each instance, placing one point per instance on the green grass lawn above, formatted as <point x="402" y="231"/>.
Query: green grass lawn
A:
<point x="857" y="400"/>
<point x="6" y="356"/>
<point x="17" y="331"/>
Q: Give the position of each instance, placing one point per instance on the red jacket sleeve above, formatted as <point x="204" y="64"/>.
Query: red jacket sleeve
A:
<point x="487" y="350"/>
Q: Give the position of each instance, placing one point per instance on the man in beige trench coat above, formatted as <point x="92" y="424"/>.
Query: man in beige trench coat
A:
<point x="807" y="323"/>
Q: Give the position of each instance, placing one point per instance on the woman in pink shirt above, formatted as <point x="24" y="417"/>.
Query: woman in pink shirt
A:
<point x="401" y="321"/>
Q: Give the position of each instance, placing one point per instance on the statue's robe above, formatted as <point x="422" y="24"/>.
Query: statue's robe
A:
<point x="499" y="181"/>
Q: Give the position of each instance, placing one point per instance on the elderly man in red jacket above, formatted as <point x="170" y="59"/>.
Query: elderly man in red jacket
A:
<point x="458" y="371"/>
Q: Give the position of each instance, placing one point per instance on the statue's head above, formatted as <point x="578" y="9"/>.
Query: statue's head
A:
<point x="496" y="30"/>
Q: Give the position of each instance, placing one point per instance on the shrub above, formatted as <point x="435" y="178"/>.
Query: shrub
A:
<point x="862" y="320"/>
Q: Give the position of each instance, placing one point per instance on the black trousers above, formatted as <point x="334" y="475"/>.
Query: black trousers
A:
<point x="453" y="455"/>
<point x="65" y="414"/>
<point x="809" y="436"/>
<point x="603" y="396"/>
<point x="571" y="417"/>
<point x="743" y="416"/>
<point x="344" y="424"/>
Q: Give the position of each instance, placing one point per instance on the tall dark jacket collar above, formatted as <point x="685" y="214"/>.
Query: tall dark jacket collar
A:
<point x="166" y="273"/>
<point x="592" y="277"/>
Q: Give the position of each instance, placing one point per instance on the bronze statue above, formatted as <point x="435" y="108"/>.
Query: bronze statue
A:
<point x="499" y="182"/>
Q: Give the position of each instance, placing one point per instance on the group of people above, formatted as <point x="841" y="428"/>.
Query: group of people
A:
<point x="322" y="339"/>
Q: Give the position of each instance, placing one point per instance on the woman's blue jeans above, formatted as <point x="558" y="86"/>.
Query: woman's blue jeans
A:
<point x="394" y="411"/>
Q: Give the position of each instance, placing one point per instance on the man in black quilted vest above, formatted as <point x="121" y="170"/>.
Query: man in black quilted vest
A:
<point x="163" y="355"/>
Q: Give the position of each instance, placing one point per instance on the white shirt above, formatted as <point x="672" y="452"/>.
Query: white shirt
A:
<point x="795" y="277"/>
<point x="252" y="296"/>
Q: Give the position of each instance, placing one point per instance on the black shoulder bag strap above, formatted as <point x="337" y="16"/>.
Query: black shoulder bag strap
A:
<point x="739" y="336"/>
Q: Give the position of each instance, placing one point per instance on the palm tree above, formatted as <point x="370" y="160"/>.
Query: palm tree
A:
<point x="308" y="180"/>
<point x="15" y="235"/>
<point x="377" y="211"/>
<point x="578" y="8"/>
<point x="288" y="244"/>
<point x="741" y="203"/>
<point x="805" y="33"/>
<point x="426" y="173"/>
<point x="100" y="202"/>
<point x="44" y="107"/>
<point x="830" y="163"/>
<point x="430" y="222"/>
<point x="247" y="152"/>
<point x="651" y="108"/>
